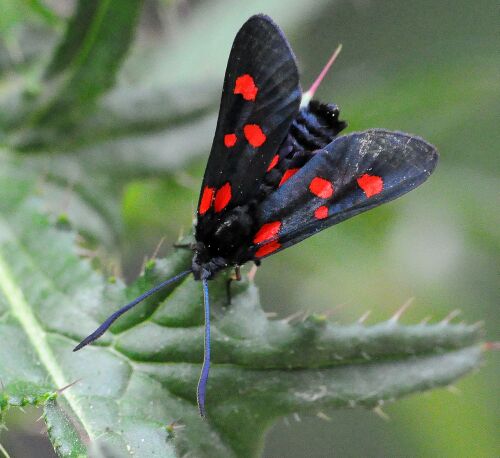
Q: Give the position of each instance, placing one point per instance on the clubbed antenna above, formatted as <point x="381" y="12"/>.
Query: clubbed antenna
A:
<point x="109" y="321"/>
<point x="202" y="383"/>
<point x="307" y="96"/>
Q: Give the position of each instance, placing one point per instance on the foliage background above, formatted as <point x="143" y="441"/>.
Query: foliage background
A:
<point x="427" y="67"/>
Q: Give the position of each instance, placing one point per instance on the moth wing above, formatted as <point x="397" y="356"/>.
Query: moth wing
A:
<point x="352" y="174"/>
<point x="260" y="98"/>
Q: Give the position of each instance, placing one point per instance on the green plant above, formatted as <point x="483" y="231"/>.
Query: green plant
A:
<point x="66" y="138"/>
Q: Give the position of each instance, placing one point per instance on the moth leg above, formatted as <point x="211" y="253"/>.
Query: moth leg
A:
<point x="237" y="273"/>
<point x="235" y="277"/>
<point x="184" y="246"/>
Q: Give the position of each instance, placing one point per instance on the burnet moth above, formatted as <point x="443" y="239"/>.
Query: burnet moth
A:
<point x="278" y="172"/>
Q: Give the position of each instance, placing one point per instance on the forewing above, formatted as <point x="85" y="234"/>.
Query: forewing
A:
<point x="260" y="98"/>
<point x="352" y="174"/>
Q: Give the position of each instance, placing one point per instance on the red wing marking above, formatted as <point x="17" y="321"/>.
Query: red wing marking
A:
<point x="206" y="200"/>
<point x="287" y="175"/>
<point x="321" y="212"/>
<point x="321" y="187"/>
<point x="222" y="197"/>
<point x="245" y="85"/>
<point x="273" y="163"/>
<point x="370" y="184"/>
<point x="267" y="232"/>
<point x="254" y="135"/>
<point x="230" y="140"/>
<point x="268" y="248"/>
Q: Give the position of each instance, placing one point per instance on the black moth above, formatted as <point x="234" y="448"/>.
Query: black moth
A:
<point x="277" y="172"/>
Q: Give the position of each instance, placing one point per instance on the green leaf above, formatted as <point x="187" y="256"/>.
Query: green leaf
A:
<point x="134" y="391"/>
<point x="88" y="58"/>
<point x="62" y="432"/>
<point x="43" y="12"/>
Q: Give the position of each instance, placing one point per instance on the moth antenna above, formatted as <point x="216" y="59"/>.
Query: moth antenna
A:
<point x="307" y="96"/>
<point x="112" y="318"/>
<point x="202" y="383"/>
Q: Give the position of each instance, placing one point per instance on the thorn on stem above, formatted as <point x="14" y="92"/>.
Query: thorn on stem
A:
<point x="378" y="410"/>
<point x="157" y="248"/>
<point x="323" y="416"/>
<point x="395" y="318"/>
<point x="173" y="426"/>
<point x="488" y="346"/>
<point x="363" y="317"/>
<point x="450" y="316"/>
<point x="306" y="315"/>
<point x="297" y="315"/>
<point x="64" y="388"/>
<point x="330" y="312"/>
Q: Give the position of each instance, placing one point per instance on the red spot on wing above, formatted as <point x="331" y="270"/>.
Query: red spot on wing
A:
<point x="287" y="175"/>
<point x="321" y="212"/>
<point x="273" y="163"/>
<point x="245" y="85"/>
<point x="254" y="135"/>
<point x="370" y="184"/>
<point x="230" y="140"/>
<point x="206" y="200"/>
<point x="268" y="248"/>
<point x="222" y="197"/>
<point x="267" y="232"/>
<point x="321" y="187"/>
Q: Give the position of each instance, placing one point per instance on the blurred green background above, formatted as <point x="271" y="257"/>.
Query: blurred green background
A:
<point x="429" y="68"/>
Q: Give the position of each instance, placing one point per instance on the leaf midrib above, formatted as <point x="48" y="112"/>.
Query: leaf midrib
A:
<point x="91" y="36"/>
<point x="20" y="309"/>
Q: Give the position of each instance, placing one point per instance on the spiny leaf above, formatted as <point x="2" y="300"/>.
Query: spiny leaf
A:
<point x="135" y="389"/>
<point x="62" y="431"/>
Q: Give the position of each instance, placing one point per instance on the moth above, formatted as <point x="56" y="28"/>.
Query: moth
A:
<point x="278" y="171"/>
